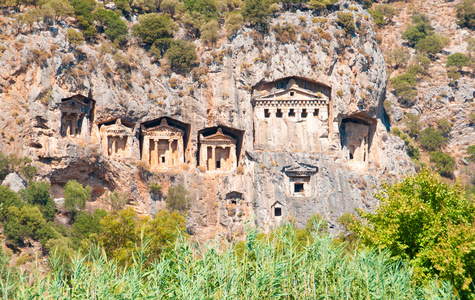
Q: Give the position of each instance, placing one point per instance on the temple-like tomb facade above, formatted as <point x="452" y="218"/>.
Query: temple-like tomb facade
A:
<point x="218" y="151"/>
<point x="300" y="180"/>
<point x="356" y="135"/>
<point x="162" y="145"/>
<point x="291" y="114"/>
<point x="77" y="115"/>
<point x="117" y="139"/>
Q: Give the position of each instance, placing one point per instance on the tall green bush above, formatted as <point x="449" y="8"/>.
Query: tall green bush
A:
<point x="405" y="88"/>
<point x="432" y="139"/>
<point x="38" y="194"/>
<point x="466" y="14"/>
<point x="76" y="196"/>
<point x="181" y="55"/>
<point x="428" y="222"/>
<point x="444" y="163"/>
<point x="153" y="28"/>
<point x="347" y="21"/>
<point x="177" y="199"/>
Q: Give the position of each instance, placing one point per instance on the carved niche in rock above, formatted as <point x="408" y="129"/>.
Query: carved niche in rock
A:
<point x="356" y="134"/>
<point x="218" y="151"/>
<point x="291" y="113"/>
<point x="117" y="139"/>
<point x="301" y="182"/>
<point x="163" y="145"/>
<point x="277" y="210"/>
<point x="77" y="115"/>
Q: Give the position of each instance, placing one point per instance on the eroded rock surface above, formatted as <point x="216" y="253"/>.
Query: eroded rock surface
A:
<point x="317" y="144"/>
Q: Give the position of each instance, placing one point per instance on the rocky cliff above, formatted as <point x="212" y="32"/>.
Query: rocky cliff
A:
<point x="266" y="185"/>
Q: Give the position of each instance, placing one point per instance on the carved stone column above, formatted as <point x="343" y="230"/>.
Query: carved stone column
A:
<point x="181" y="153"/>
<point x="232" y="156"/>
<point x="212" y="165"/>
<point x="146" y="149"/>
<point x="170" y="159"/>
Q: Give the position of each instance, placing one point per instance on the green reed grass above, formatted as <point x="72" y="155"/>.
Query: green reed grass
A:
<point x="277" y="268"/>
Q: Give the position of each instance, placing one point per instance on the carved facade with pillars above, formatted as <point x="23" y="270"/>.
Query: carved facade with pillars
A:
<point x="117" y="140"/>
<point x="162" y="145"/>
<point x="218" y="152"/>
<point x="77" y="114"/>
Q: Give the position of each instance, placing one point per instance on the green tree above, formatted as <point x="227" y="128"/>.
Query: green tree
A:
<point x="8" y="198"/>
<point x="457" y="60"/>
<point x="432" y="44"/>
<point x="256" y="12"/>
<point x="61" y="8"/>
<point x="38" y="194"/>
<point x="116" y="29"/>
<point x="444" y="163"/>
<point x="74" y="37"/>
<point x="432" y="139"/>
<point x="172" y="6"/>
<point x="177" y="199"/>
<point x="207" y="8"/>
<point x="209" y="32"/>
<point x="23" y="223"/>
<point x="466" y="14"/>
<point x="181" y="55"/>
<point x="405" y="87"/>
<point x="76" y="196"/>
<point x="412" y="124"/>
<point x="319" y="5"/>
<point x="87" y="224"/>
<point x="398" y="57"/>
<point x="347" y="21"/>
<point x="418" y="30"/>
<point x="444" y="126"/>
<point x="428" y="222"/>
<point x="232" y="22"/>
<point x="152" y="28"/>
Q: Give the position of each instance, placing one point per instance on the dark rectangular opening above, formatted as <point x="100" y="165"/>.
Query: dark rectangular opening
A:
<point x="292" y="94"/>
<point x="163" y="159"/>
<point x="298" y="188"/>
<point x="291" y="113"/>
<point x="277" y="211"/>
<point x="351" y="155"/>
<point x="233" y="201"/>
<point x="279" y="113"/>
<point x="315" y="113"/>
<point x="218" y="164"/>
<point x="266" y="113"/>
<point x="304" y="113"/>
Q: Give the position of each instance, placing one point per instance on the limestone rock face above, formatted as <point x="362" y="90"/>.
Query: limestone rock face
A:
<point x="325" y="154"/>
<point x="15" y="182"/>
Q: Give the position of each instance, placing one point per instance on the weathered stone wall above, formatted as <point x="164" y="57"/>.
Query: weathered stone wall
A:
<point x="220" y="96"/>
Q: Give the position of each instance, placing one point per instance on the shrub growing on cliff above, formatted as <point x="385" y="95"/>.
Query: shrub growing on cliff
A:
<point x="471" y="153"/>
<point x="38" y="194"/>
<point x="256" y="12"/>
<point x="444" y="163"/>
<point x="347" y="21"/>
<point x="74" y="37"/>
<point x="181" y="55"/>
<point x="177" y="199"/>
<point x="153" y="28"/>
<point x="418" y="30"/>
<point x="432" y="139"/>
<point x="411" y="147"/>
<point x="428" y="222"/>
<point x="76" y="195"/>
<point x="466" y="14"/>
<point x="432" y="44"/>
<point x="405" y="87"/>
<point x="457" y="60"/>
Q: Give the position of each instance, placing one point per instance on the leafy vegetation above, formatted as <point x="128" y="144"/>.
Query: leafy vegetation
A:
<point x="347" y="21"/>
<point x="259" y="268"/>
<point x="411" y="147"/>
<point x="466" y="14"/>
<point x="432" y="139"/>
<point x="38" y="194"/>
<point x="181" y="55"/>
<point x="75" y="196"/>
<point x="405" y="87"/>
<point x="429" y="223"/>
<point x="444" y="163"/>
<point x="177" y="199"/>
<point x="420" y="34"/>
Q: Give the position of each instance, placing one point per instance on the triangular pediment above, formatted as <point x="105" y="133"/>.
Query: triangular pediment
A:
<point x="163" y="127"/>
<point x="300" y="170"/>
<point x="293" y="92"/>
<point x="78" y="98"/>
<point x="218" y="136"/>
<point x="117" y="127"/>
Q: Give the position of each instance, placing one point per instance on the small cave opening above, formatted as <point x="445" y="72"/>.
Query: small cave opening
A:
<point x="266" y="113"/>
<point x="356" y="136"/>
<point x="279" y="113"/>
